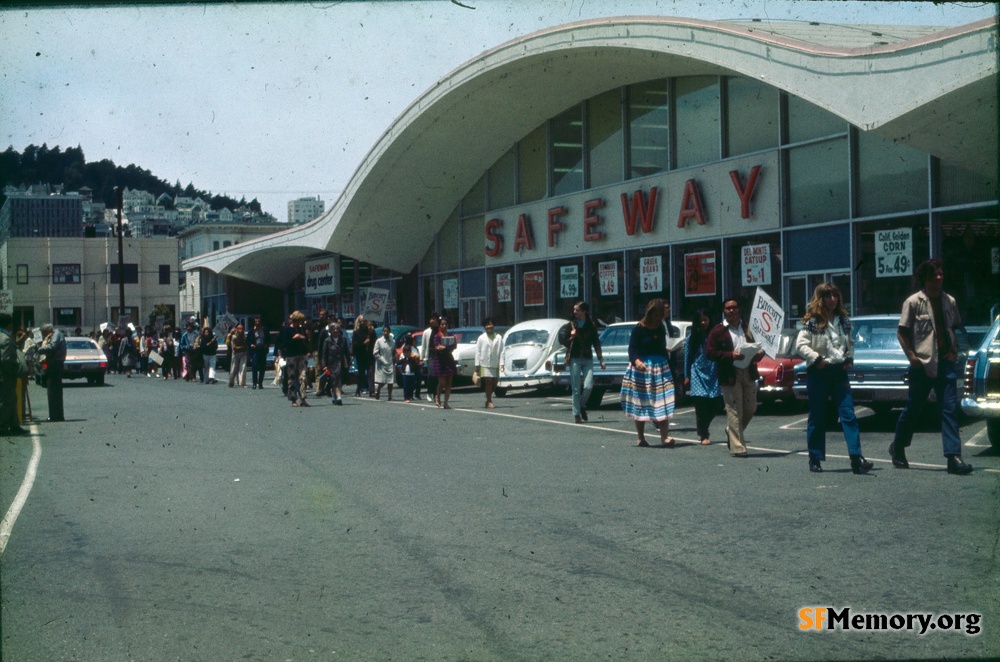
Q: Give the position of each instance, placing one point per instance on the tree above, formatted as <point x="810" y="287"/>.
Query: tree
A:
<point x="162" y="309"/>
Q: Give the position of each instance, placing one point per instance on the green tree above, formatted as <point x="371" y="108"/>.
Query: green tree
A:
<point x="162" y="309"/>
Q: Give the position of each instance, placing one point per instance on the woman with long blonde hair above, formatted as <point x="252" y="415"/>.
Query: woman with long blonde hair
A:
<point x="825" y="343"/>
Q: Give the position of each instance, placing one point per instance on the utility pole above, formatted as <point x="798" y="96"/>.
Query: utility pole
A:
<point x="119" y="203"/>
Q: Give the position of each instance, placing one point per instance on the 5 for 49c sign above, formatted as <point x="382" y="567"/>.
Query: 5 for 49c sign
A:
<point x="894" y="252"/>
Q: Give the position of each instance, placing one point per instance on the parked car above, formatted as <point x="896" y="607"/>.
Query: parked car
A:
<point x="614" y="348"/>
<point x="982" y="383"/>
<point x="84" y="360"/>
<point x="777" y="375"/>
<point x="527" y="357"/>
<point x="879" y="377"/>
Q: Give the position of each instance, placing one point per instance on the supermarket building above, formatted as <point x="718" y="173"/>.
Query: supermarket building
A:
<point x="619" y="160"/>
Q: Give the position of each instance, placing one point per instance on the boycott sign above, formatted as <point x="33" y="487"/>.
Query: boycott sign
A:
<point x="756" y="265"/>
<point x="894" y="253"/>
<point x="650" y="274"/>
<point x="375" y="304"/>
<point x="766" y="320"/>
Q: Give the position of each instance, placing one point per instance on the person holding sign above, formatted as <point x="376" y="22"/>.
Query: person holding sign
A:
<point x="648" y="385"/>
<point x="825" y="343"/>
<point x="730" y="345"/>
<point x="926" y="333"/>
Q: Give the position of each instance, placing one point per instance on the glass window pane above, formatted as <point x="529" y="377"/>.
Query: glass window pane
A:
<point x="697" y="119"/>
<point x="474" y="242"/>
<point x="604" y="138"/>
<point x="649" y="128"/>
<point x="448" y="241"/>
<point x="752" y="115"/>
<point x="818" y="182"/>
<point x="428" y="264"/>
<point x="892" y="177"/>
<point x="566" y="134"/>
<point x="874" y="291"/>
<point x="969" y="241"/>
<point x="958" y="185"/>
<point x="502" y="181"/>
<point x="474" y="201"/>
<point x="531" y="166"/>
<point x="807" y="121"/>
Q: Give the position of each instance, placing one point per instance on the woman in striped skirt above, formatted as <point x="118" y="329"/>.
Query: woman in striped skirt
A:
<point x="648" y="387"/>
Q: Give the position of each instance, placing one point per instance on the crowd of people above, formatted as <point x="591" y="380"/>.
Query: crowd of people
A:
<point x="720" y="363"/>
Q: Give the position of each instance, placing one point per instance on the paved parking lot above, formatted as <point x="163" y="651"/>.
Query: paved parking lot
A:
<point x="179" y="521"/>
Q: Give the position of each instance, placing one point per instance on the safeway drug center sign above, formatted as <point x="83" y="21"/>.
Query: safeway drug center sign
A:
<point x="322" y="276"/>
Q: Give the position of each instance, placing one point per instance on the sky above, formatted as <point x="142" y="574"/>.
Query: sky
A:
<point x="278" y="102"/>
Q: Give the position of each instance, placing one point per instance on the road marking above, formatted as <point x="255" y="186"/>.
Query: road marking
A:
<point x="7" y="525"/>
<point x="976" y="437"/>
<point x="788" y="426"/>
<point x="592" y="426"/>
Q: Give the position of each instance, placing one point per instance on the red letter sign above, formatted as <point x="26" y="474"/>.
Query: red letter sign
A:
<point x="523" y="237"/>
<point x="645" y="212"/>
<point x="745" y="193"/>
<point x="691" y="205"/>
<point x="591" y="220"/>
<point x="494" y="241"/>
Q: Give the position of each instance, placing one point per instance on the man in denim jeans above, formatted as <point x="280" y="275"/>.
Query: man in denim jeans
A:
<point x="579" y="336"/>
<point x="927" y="335"/>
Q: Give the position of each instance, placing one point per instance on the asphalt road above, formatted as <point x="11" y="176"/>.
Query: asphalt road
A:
<point x="174" y="521"/>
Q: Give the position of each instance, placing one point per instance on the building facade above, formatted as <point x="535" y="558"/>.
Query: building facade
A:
<point x="75" y="283"/>
<point x="31" y="215"/>
<point x="304" y="210"/>
<point x="620" y="160"/>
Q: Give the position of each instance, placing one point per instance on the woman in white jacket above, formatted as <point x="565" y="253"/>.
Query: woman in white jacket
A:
<point x="488" y="348"/>
<point x="825" y="343"/>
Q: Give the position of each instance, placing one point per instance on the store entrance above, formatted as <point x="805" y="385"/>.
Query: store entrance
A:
<point x="473" y="311"/>
<point x="799" y="289"/>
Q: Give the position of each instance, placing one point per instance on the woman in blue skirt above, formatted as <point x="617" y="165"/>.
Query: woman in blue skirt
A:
<point x="648" y="386"/>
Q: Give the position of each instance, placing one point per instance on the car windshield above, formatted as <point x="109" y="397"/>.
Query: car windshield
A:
<point x="525" y="336"/>
<point x="879" y="334"/>
<point x="80" y="344"/>
<point x="786" y="345"/>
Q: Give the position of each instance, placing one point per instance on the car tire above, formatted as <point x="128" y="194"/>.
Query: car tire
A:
<point x="100" y="379"/>
<point x="993" y="431"/>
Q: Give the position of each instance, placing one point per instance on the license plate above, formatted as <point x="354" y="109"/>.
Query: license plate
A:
<point x="519" y="364"/>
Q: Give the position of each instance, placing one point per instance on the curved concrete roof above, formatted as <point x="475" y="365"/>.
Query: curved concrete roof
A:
<point x="926" y="92"/>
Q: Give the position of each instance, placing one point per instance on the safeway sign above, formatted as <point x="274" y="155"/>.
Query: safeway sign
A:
<point x="766" y="321"/>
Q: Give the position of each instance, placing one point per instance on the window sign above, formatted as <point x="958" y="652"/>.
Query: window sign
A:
<point x="321" y="277"/>
<point x="607" y="276"/>
<point x="503" y="288"/>
<point x="534" y="288"/>
<point x="894" y="253"/>
<point x="699" y="274"/>
<point x="449" y="288"/>
<point x="651" y="273"/>
<point x="569" y="281"/>
<point x="756" y="265"/>
<point x="65" y="274"/>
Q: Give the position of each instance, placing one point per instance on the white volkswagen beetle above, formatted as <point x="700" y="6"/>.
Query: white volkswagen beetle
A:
<point x="528" y="350"/>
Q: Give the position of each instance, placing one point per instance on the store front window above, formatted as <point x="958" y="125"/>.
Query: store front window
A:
<point x="753" y="262"/>
<point x="503" y="181"/>
<point x="698" y="272"/>
<point x="531" y="166"/>
<point x="970" y="250"/>
<point x="649" y="128"/>
<point x="892" y="177"/>
<point x="697" y="121"/>
<point x="958" y="185"/>
<point x="607" y="286"/>
<point x="448" y="296"/>
<point x="500" y="292"/>
<point x="605" y="139"/>
<point x="531" y="284"/>
<point x="651" y="277"/>
<point x="566" y="147"/>
<point x="806" y="121"/>
<point x="567" y="286"/>
<point x="818" y="182"/>
<point x="751" y="116"/>
<point x="449" y="247"/>
<point x="887" y="252"/>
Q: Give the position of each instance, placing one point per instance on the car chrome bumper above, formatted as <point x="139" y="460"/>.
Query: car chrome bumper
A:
<point x="976" y="409"/>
